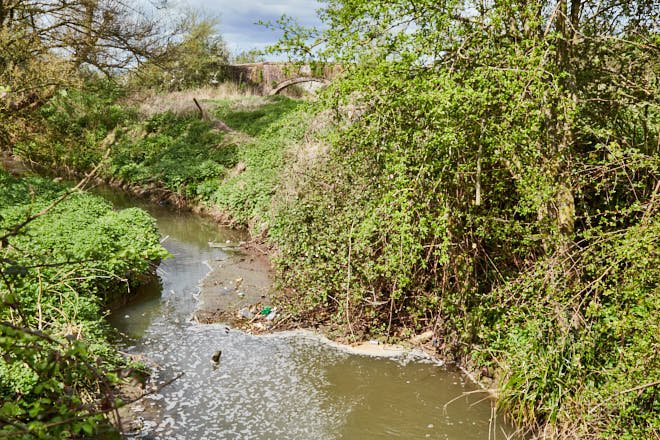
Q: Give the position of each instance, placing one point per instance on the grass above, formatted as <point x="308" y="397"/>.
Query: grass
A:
<point x="150" y="103"/>
<point x="238" y="172"/>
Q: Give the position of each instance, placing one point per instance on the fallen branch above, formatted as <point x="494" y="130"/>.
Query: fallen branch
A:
<point x="216" y="122"/>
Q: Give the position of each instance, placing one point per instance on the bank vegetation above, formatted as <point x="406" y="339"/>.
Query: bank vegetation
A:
<point x="486" y="171"/>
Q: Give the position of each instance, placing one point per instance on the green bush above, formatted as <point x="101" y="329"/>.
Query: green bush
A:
<point x="74" y="125"/>
<point x="59" y="273"/>
<point x="494" y="179"/>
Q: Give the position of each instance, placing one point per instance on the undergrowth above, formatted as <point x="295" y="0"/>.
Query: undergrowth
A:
<point x="238" y="171"/>
<point x="58" y="275"/>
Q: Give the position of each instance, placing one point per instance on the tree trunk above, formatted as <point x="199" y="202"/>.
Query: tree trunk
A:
<point x="564" y="132"/>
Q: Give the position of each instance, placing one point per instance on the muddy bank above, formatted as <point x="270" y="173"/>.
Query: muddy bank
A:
<point x="238" y="289"/>
<point x="238" y="292"/>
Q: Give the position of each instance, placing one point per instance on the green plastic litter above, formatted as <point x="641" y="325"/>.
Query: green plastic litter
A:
<point x="265" y="310"/>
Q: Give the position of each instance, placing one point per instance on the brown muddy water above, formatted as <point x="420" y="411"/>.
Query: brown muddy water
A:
<point x="287" y="386"/>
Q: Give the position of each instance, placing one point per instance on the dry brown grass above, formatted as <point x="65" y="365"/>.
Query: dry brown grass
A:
<point x="303" y="158"/>
<point x="314" y="147"/>
<point x="251" y="104"/>
<point x="150" y="102"/>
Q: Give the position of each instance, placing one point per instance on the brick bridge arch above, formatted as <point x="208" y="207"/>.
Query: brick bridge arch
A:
<point x="301" y="79"/>
<point x="268" y="78"/>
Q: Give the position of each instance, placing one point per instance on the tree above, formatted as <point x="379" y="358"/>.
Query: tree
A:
<point x="196" y="58"/>
<point x="105" y="34"/>
<point x="45" y="45"/>
<point x="248" y="57"/>
<point x="495" y="179"/>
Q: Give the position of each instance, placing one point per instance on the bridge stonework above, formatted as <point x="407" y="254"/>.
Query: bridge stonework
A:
<point x="270" y="78"/>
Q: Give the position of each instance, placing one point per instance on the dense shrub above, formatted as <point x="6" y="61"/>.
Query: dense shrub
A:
<point x="495" y="179"/>
<point x="58" y="274"/>
<point x="76" y="127"/>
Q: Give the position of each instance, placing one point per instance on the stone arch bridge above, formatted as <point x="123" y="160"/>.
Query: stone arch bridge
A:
<point x="271" y="78"/>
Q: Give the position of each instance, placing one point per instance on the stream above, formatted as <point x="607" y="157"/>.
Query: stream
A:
<point x="280" y="386"/>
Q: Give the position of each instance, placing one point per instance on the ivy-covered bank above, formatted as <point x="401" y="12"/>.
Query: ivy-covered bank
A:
<point x="58" y="273"/>
<point x="160" y="142"/>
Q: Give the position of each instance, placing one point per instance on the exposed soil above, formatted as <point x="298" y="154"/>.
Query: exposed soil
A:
<point x="237" y="290"/>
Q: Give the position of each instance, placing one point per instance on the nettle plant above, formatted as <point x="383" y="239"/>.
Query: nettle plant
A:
<point x="64" y="255"/>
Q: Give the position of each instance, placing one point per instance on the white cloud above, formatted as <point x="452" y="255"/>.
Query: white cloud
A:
<point x="238" y="18"/>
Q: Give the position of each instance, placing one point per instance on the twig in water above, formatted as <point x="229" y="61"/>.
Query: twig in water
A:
<point x="154" y="391"/>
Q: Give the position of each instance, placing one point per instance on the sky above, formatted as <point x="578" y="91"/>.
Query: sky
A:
<point x="238" y="18"/>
